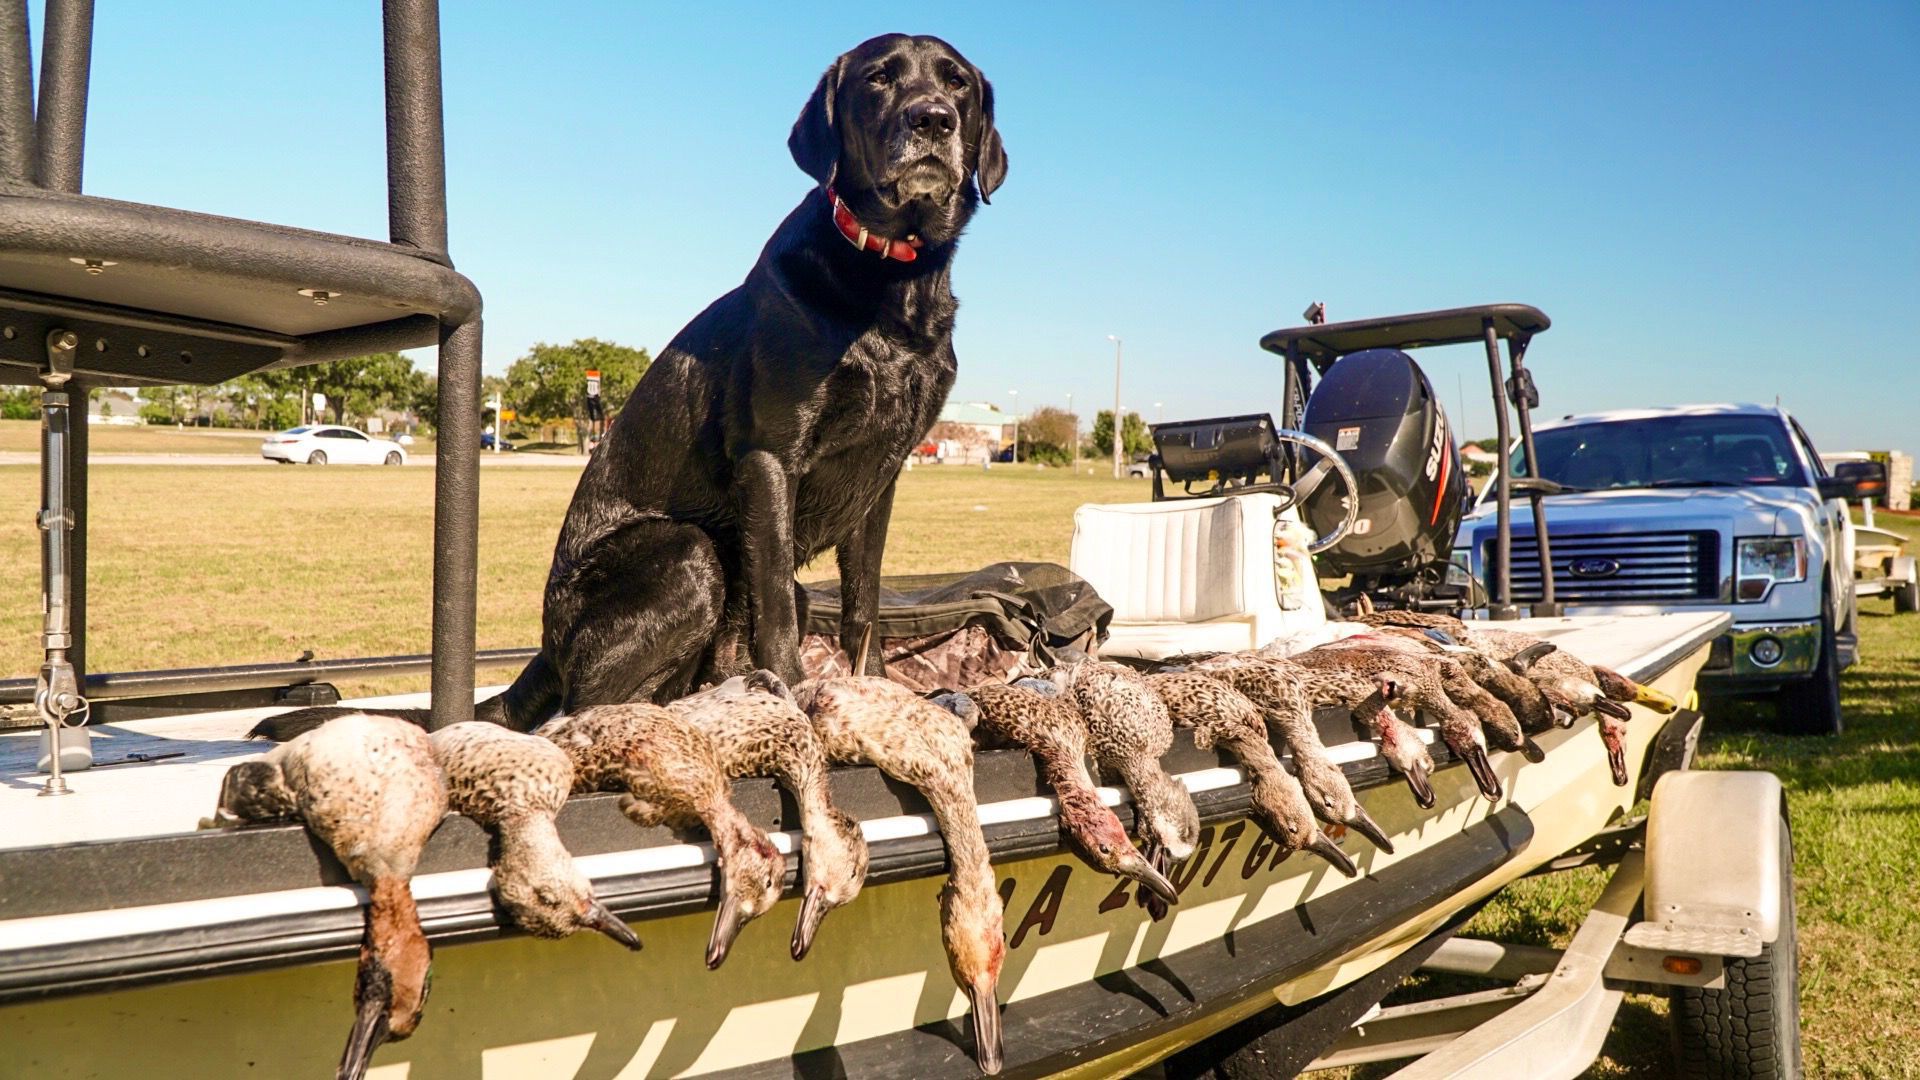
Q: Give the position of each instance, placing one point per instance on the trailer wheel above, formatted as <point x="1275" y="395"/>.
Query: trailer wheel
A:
<point x="1751" y="1029"/>
<point x="1906" y="598"/>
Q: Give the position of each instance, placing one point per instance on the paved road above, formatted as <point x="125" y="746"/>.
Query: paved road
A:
<point x="535" y="461"/>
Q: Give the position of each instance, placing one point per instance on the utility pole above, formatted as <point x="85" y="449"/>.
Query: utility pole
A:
<point x="1118" y="425"/>
<point x="1016" y="425"/>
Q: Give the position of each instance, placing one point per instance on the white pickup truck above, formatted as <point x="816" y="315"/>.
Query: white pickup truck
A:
<point x="1692" y="508"/>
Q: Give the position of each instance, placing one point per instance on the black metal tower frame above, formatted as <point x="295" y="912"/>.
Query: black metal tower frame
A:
<point x="96" y="292"/>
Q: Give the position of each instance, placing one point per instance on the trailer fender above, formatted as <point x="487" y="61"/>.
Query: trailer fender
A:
<point x="1713" y="873"/>
<point x="1902" y="569"/>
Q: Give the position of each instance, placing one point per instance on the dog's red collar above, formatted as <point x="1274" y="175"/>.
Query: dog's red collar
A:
<point x="858" y="236"/>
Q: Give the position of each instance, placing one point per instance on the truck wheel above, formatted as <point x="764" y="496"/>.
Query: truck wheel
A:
<point x="1812" y="707"/>
<point x="1906" y="598"/>
<point x="1751" y="1029"/>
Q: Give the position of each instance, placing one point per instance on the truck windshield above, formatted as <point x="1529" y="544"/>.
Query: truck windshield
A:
<point x="1667" y="452"/>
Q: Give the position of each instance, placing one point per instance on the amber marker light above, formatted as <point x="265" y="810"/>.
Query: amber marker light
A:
<point x="1681" y="965"/>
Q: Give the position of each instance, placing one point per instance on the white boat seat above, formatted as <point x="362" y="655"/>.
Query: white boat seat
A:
<point x="1190" y="575"/>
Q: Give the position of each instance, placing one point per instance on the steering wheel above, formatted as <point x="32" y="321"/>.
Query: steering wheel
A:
<point x="1329" y="464"/>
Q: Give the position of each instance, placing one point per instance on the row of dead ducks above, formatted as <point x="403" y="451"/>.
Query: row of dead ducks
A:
<point x="374" y="787"/>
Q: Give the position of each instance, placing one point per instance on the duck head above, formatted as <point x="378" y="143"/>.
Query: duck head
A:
<point x="1167" y="815"/>
<point x="251" y="792"/>
<point x="1332" y="800"/>
<point x="551" y="898"/>
<point x="835" y="862"/>
<point x="1399" y="744"/>
<point x="973" y="931"/>
<point x="1102" y="842"/>
<point x="751" y="873"/>
<point x="396" y="972"/>
<point x="1618" y="687"/>
<point x="1613" y="734"/>
<point x="1289" y="821"/>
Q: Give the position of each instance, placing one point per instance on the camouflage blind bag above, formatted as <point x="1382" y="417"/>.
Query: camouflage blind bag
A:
<point x="949" y="631"/>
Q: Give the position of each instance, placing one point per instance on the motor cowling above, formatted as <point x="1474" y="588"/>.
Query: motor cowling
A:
<point x="1380" y="413"/>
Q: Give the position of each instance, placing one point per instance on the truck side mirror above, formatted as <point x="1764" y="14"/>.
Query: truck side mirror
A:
<point x="1855" y="480"/>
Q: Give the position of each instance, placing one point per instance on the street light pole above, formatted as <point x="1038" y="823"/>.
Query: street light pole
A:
<point x="1073" y="451"/>
<point x="1118" y="426"/>
<point x="1016" y="425"/>
<point x="1158" y="415"/>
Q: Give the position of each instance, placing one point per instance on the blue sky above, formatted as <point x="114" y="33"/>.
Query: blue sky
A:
<point x="1711" y="203"/>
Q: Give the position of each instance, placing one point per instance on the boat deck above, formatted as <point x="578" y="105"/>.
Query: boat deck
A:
<point x="246" y="937"/>
<point x="171" y="795"/>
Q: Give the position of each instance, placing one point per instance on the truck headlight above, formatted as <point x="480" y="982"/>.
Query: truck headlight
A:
<point x="1761" y="562"/>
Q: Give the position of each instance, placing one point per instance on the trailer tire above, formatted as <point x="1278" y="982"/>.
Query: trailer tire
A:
<point x="1812" y="706"/>
<point x="1751" y="1029"/>
<point x="1906" y="598"/>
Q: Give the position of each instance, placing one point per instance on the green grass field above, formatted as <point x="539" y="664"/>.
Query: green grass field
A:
<point x="208" y="565"/>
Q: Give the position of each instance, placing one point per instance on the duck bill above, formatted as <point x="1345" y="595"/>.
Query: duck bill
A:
<point x="1361" y="823"/>
<point x="1531" y="750"/>
<point x="1609" y="707"/>
<point x="1483" y="774"/>
<point x="369" y="1031"/>
<point x="726" y="927"/>
<point x="986" y="1025"/>
<point x="599" y="918"/>
<point x="1323" y="846"/>
<point x="1417" y="782"/>
<point x="1654" y="699"/>
<point x="813" y="909"/>
<point x="1154" y="880"/>
<point x="1564" y="716"/>
<point x="1158" y="862"/>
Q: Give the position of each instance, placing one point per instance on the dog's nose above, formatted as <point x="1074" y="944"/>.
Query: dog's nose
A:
<point x="933" y="118"/>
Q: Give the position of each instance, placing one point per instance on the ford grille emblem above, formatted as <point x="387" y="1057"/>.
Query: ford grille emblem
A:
<point x="1594" y="568"/>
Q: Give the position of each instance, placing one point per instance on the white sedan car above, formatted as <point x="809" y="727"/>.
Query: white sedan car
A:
<point x="322" y="444"/>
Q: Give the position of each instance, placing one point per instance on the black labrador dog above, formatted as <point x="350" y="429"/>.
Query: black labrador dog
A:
<point x="773" y="426"/>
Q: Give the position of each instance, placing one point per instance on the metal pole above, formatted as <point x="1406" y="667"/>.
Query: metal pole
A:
<point x="1118" y="425"/>
<point x="456" y="524"/>
<point x="1502" y="605"/>
<point x="66" y="61"/>
<point x="57" y="694"/>
<point x="416" y="135"/>
<point x="1524" y="398"/>
<point x="1016" y="425"/>
<point x="16" y="93"/>
<point x="1073" y="452"/>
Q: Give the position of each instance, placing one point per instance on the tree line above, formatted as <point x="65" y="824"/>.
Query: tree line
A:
<point x="1047" y="434"/>
<point x="545" y="388"/>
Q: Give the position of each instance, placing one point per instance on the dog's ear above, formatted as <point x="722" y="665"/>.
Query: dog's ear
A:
<point x="986" y="156"/>
<point x="815" y="141"/>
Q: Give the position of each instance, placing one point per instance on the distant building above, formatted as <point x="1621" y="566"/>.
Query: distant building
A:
<point x="1473" y="454"/>
<point x="970" y="432"/>
<point x="114" y="407"/>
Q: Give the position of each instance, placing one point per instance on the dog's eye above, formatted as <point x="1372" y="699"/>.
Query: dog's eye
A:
<point x="879" y="77"/>
<point x="955" y="82"/>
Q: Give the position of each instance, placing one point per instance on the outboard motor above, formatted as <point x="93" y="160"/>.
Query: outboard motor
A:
<point x="1380" y="413"/>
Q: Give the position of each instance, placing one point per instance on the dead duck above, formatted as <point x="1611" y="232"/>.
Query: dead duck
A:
<point x="1370" y="698"/>
<point x="1421" y="682"/>
<point x="863" y="719"/>
<point x="513" y="786"/>
<point x="671" y="775"/>
<point x="1046" y="726"/>
<point x="1277" y="691"/>
<point x="1538" y="708"/>
<point x="368" y="787"/>
<point x="1128" y="730"/>
<point x="1221" y="716"/>
<point x="1467" y="678"/>
<point x="758" y="730"/>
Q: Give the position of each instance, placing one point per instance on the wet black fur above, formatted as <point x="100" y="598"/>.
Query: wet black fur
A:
<point x="772" y="427"/>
